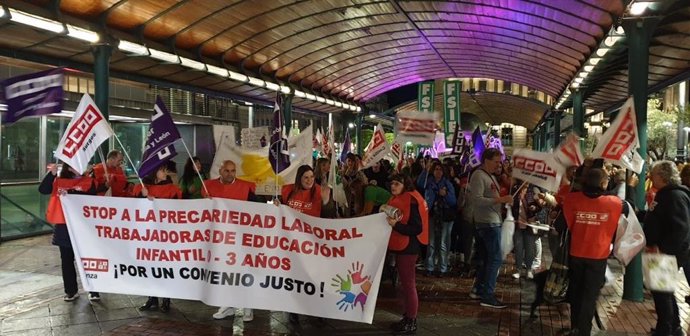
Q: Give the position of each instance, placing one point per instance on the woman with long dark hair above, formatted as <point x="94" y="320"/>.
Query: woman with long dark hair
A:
<point x="306" y="197"/>
<point x="157" y="185"/>
<point x="410" y="232"/>
<point x="190" y="183"/>
<point x="68" y="181"/>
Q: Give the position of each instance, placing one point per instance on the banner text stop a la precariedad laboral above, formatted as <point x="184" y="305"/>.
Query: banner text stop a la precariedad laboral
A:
<point x="229" y="253"/>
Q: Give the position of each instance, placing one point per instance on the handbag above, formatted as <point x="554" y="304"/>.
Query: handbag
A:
<point x="557" y="280"/>
<point x="660" y="272"/>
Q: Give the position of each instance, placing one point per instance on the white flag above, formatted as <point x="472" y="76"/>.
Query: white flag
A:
<point x="417" y="127"/>
<point x="620" y="142"/>
<point x="87" y="130"/>
<point x="337" y="189"/>
<point x="568" y="152"/>
<point x="377" y="148"/>
<point x="252" y="164"/>
<point x="537" y="168"/>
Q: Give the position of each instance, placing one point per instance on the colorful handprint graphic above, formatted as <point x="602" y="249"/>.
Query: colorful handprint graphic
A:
<point x="354" y="288"/>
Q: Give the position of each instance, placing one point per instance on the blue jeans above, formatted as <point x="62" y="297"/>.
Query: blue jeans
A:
<point x="438" y="231"/>
<point x="488" y="245"/>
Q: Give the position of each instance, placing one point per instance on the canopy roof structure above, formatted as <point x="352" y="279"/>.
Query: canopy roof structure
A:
<point x="351" y="51"/>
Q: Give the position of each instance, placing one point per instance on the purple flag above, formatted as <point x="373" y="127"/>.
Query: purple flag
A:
<point x="278" y="153"/>
<point x="150" y="165"/>
<point x="346" y="146"/>
<point x="34" y="94"/>
<point x="161" y="136"/>
<point x="478" y="147"/>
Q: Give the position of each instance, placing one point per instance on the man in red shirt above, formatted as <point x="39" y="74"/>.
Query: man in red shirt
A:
<point x="111" y="176"/>
<point x="592" y="218"/>
<point x="228" y="186"/>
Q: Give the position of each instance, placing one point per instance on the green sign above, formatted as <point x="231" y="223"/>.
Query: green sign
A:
<point x="425" y="98"/>
<point x="451" y="107"/>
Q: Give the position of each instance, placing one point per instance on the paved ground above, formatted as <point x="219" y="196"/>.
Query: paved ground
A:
<point x="31" y="304"/>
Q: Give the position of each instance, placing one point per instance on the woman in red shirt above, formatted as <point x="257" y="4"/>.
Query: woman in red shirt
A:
<point x="158" y="185"/>
<point x="68" y="181"/>
<point x="304" y="195"/>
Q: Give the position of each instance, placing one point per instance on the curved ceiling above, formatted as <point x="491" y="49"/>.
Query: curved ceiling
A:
<point x="352" y="50"/>
<point x="356" y="50"/>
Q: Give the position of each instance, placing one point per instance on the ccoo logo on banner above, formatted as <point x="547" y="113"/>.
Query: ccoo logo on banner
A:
<point x="537" y="168"/>
<point x="415" y="127"/>
<point x="620" y="141"/>
<point x="377" y="148"/>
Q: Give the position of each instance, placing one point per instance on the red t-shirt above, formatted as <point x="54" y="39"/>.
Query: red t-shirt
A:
<point x="54" y="214"/>
<point x="118" y="180"/>
<point x="303" y="201"/>
<point x="237" y="190"/>
<point x="166" y="191"/>
<point x="592" y="223"/>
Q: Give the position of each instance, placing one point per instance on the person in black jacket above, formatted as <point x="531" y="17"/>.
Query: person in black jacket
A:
<point x="667" y="230"/>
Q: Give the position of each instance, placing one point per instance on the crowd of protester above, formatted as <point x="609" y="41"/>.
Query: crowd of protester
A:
<point x="448" y="222"/>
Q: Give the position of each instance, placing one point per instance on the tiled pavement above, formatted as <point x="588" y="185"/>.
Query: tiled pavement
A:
<point x="31" y="304"/>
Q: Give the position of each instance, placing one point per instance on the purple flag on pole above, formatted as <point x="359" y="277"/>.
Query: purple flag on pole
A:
<point x="34" y="94"/>
<point x="278" y="153"/>
<point x="151" y="164"/>
<point x="346" y="146"/>
<point x="161" y="136"/>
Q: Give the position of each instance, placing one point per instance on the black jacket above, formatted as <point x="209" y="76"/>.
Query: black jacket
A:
<point x="667" y="223"/>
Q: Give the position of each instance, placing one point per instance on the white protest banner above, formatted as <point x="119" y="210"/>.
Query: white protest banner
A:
<point x="620" y="142"/>
<point x="568" y="152"/>
<point x="537" y="168"/>
<point x="229" y="253"/>
<point x="252" y="164"/>
<point x="377" y="148"/>
<point x="255" y="137"/>
<point x="416" y="127"/>
<point x="87" y="130"/>
<point x="396" y="151"/>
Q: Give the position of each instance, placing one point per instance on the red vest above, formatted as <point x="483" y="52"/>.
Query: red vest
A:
<point x="303" y="201"/>
<point x="166" y="191"/>
<point x="237" y="190"/>
<point x="54" y="213"/>
<point x="118" y="180"/>
<point x="397" y="241"/>
<point x="592" y="223"/>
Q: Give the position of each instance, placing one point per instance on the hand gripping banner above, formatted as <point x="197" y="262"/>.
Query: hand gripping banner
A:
<point x="229" y="253"/>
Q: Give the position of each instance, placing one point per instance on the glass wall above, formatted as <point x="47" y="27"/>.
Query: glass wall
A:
<point x="132" y="136"/>
<point x="20" y="151"/>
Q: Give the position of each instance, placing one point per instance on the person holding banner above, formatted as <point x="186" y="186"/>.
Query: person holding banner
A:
<point x="229" y="186"/>
<point x="190" y="183"/>
<point x="68" y="181"/>
<point x="410" y="232"/>
<point x="157" y="185"/>
<point x="109" y="175"/>
<point x="304" y="196"/>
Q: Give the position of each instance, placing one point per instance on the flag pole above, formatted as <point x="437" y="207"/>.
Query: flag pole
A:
<point x="129" y="159"/>
<point x="194" y="165"/>
<point x="105" y="166"/>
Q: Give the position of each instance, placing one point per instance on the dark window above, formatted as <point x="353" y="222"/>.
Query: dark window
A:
<point x="482" y="85"/>
<point x="507" y="136"/>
